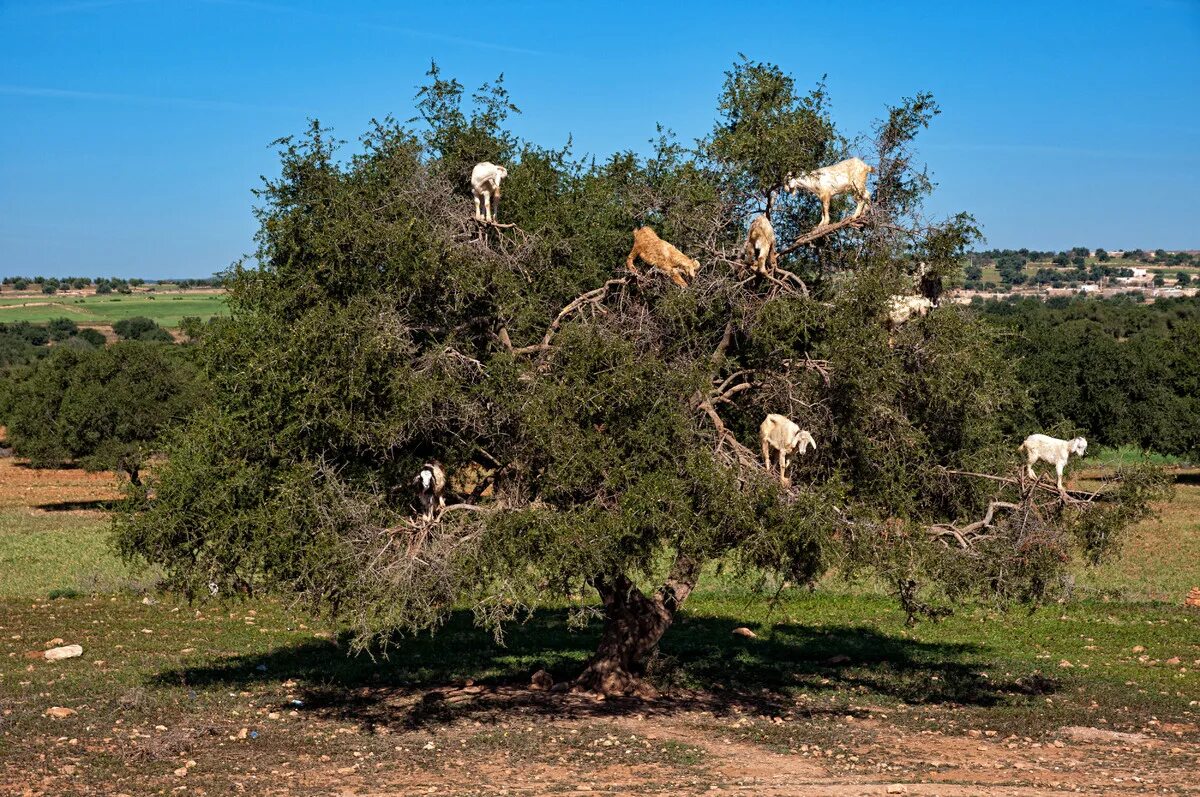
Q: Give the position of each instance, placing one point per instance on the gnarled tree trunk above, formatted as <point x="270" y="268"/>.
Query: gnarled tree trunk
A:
<point x="633" y="625"/>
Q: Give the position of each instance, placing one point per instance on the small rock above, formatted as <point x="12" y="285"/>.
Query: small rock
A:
<point x="68" y="769"/>
<point x="1065" y="664"/>
<point x="59" y="712"/>
<point x="840" y="658"/>
<point x="181" y="772"/>
<point x="541" y="681"/>
<point x="1173" y="660"/>
<point x="1139" y="649"/>
<point x="66" y="652"/>
<point x="896" y="788"/>
<point x="243" y="733"/>
<point x="1193" y="598"/>
<point x="56" y="641"/>
<point x="744" y="631"/>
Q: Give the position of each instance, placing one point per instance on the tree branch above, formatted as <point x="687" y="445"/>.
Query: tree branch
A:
<point x="594" y="296"/>
<point x="820" y="232"/>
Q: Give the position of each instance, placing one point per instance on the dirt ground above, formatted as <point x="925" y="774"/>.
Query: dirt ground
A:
<point x="40" y="491"/>
<point x="480" y="741"/>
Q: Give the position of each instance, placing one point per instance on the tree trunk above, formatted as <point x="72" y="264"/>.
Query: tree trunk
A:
<point x="633" y="625"/>
<point x="134" y="477"/>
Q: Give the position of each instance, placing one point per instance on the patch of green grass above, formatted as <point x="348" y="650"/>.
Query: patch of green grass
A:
<point x="1108" y="457"/>
<point x="57" y="551"/>
<point x="165" y="308"/>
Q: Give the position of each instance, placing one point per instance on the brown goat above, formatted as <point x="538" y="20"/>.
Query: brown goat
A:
<point x="759" y="252"/>
<point x="661" y="255"/>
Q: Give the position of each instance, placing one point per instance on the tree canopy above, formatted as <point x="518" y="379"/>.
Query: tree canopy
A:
<point x="106" y="408"/>
<point x="598" y="427"/>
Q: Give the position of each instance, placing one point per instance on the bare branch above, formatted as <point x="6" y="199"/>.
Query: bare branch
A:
<point x="594" y="296"/>
<point x="820" y="232"/>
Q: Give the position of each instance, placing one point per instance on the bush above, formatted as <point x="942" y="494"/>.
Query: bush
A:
<point x="143" y="329"/>
<point x="92" y="336"/>
<point x="61" y="328"/>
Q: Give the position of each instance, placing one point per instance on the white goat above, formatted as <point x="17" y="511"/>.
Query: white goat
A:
<point x="485" y="185"/>
<point x="759" y="252"/>
<point x="431" y="488"/>
<point x="901" y="309"/>
<point x="1051" y="450"/>
<point x="847" y="177"/>
<point x="783" y="435"/>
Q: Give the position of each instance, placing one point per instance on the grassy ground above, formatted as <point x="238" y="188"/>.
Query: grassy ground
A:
<point x="834" y="688"/>
<point x="165" y="308"/>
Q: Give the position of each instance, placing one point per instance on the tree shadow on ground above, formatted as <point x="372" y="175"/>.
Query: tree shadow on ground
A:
<point x="461" y="672"/>
<point x="98" y="505"/>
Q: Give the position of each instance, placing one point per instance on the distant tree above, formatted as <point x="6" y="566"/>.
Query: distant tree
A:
<point x="62" y="328"/>
<point x="1102" y="255"/>
<point x="105" y="408"/>
<point x="92" y="336"/>
<point x="1159" y="281"/>
<point x="49" y="288"/>
<point x="141" y="328"/>
<point x="1061" y="259"/>
<point x="20" y="284"/>
<point x="103" y="286"/>
<point x="1183" y="279"/>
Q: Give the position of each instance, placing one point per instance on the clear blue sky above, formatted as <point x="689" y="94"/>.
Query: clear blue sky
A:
<point x="132" y="132"/>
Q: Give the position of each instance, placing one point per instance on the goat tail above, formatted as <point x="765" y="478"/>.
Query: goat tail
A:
<point x="870" y="168"/>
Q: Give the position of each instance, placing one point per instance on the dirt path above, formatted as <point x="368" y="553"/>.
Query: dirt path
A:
<point x="511" y="742"/>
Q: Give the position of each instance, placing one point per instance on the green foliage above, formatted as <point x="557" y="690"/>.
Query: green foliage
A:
<point x="1121" y="371"/>
<point x="384" y="328"/>
<point x="106" y="408"/>
<point x="62" y="328"/>
<point x="143" y="329"/>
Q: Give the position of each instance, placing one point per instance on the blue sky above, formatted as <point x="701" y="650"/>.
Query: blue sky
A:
<point x="133" y="131"/>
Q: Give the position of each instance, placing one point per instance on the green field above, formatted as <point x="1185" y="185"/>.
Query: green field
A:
<point x="168" y="309"/>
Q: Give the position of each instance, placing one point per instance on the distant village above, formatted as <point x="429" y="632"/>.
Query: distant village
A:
<point x="1145" y="275"/>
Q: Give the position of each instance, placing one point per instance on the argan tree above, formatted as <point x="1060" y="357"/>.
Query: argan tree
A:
<point x="105" y="408"/>
<point x="598" y="427"/>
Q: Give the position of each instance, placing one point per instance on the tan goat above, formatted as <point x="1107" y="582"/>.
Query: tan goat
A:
<point x="847" y="177"/>
<point x="783" y="435"/>
<point x="660" y="255"/>
<point x="759" y="252"/>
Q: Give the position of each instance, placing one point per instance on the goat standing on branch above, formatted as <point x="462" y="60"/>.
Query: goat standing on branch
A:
<point x="1051" y="450"/>
<point x="782" y="434"/>
<point x="431" y="488"/>
<point x="759" y="252"/>
<point x="847" y="177"/>
<point x="485" y="185"/>
<point x="661" y="255"/>
<point x="901" y="309"/>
